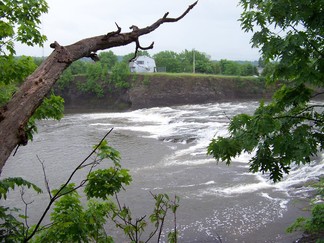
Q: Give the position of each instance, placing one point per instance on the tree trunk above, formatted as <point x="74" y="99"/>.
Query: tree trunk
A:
<point x="16" y="113"/>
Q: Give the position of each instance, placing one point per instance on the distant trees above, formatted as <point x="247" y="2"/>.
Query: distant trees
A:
<point x="107" y="71"/>
<point x="108" y="59"/>
<point x="170" y="60"/>
<point x="185" y="61"/>
<point x="113" y="70"/>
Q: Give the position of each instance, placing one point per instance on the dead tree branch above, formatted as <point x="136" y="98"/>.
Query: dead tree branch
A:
<point x="16" y="113"/>
<point x="45" y="178"/>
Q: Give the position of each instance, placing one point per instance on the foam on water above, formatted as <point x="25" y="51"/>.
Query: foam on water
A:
<point x="234" y="190"/>
<point x="238" y="202"/>
<point x="195" y="126"/>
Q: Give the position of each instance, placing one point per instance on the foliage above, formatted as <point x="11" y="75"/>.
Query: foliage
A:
<point x="134" y="228"/>
<point x="119" y="75"/>
<point x="79" y="67"/>
<point x="11" y="228"/>
<point x="108" y="60"/>
<point x="289" y="129"/>
<point x="184" y="62"/>
<point x="71" y="221"/>
<point x="10" y="183"/>
<point x="65" y="79"/>
<point x="315" y="223"/>
<point x="14" y="71"/>
<point x="19" y="21"/>
<point x="235" y="68"/>
<point x="93" y="75"/>
<point x="51" y="108"/>
<point x="6" y="92"/>
<point x="229" y="67"/>
<point x="168" y="59"/>
<point x="103" y="183"/>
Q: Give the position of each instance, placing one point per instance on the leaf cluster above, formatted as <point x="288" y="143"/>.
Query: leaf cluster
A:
<point x="72" y="222"/>
<point x="289" y="129"/>
<point x="11" y="227"/>
<point x="51" y="108"/>
<point x="120" y="75"/>
<point x="290" y="33"/>
<point x="19" y="21"/>
<point x="284" y="132"/>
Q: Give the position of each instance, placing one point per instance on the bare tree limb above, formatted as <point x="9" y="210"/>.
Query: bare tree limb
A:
<point x="22" y="193"/>
<point x="16" y="113"/>
<point x="45" y="178"/>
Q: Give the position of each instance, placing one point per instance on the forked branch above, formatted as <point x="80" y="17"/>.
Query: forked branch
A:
<point x="16" y="113"/>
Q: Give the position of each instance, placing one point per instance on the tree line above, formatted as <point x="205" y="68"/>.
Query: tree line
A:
<point x="112" y="71"/>
<point x="172" y="62"/>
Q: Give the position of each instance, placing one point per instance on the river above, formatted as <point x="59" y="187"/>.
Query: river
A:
<point x="165" y="151"/>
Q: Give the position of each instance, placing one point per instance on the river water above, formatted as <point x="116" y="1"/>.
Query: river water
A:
<point x="165" y="151"/>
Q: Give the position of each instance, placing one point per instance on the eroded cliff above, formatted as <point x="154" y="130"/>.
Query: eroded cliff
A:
<point x="150" y="90"/>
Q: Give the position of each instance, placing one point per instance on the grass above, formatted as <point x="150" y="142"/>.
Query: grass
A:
<point x="159" y="74"/>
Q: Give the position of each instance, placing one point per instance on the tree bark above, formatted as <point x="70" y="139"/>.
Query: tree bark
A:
<point x="16" y="113"/>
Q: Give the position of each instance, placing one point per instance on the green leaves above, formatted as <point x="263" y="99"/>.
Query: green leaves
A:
<point x="314" y="224"/>
<point x="19" y="21"/>
<point x="224" y="149"/>
<point x="11" y="183"/>
<point x="281" y="133"/>
<point x="288" y="130"/>
<point x="52" y="107"/>
<point x="107" y="152"/>
<point x="11" y="228"/>
<point x="119" y="75"/>
<point x="72" y="222"/>
<point x="107" y="182"/>
<point x="134" y="228"/>
<point x="290" y="33"/>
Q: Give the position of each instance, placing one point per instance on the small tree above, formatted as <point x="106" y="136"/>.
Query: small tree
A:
<point x="119" y="75"/>
<point x="288" y="130"/>
<point x="168" y="59"/>
<point x="108" y="60"/>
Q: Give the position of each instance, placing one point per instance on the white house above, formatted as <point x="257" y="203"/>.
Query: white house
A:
<point x="142" y="64"/>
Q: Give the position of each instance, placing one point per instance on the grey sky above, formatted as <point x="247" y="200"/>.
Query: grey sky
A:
<point x="212" y="26"/>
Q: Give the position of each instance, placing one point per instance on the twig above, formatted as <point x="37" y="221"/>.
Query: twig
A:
<point x="317" y="94"/>
<point x="22" y="192"/>
<point x="45" y="177"/>
<point x="218" y="237"/>
<point x="58" y="193"/>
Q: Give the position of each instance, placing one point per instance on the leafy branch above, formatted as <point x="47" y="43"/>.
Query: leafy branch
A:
<point x="64" y="189"/>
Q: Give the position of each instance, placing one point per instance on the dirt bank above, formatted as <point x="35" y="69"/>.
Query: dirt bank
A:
<point x="151" y="90"/>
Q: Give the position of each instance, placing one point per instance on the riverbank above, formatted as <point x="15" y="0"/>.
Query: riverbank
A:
<point x="165" y="89"/>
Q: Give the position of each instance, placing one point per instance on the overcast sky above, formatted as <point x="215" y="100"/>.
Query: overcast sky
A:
<point x="211" y="27"/>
